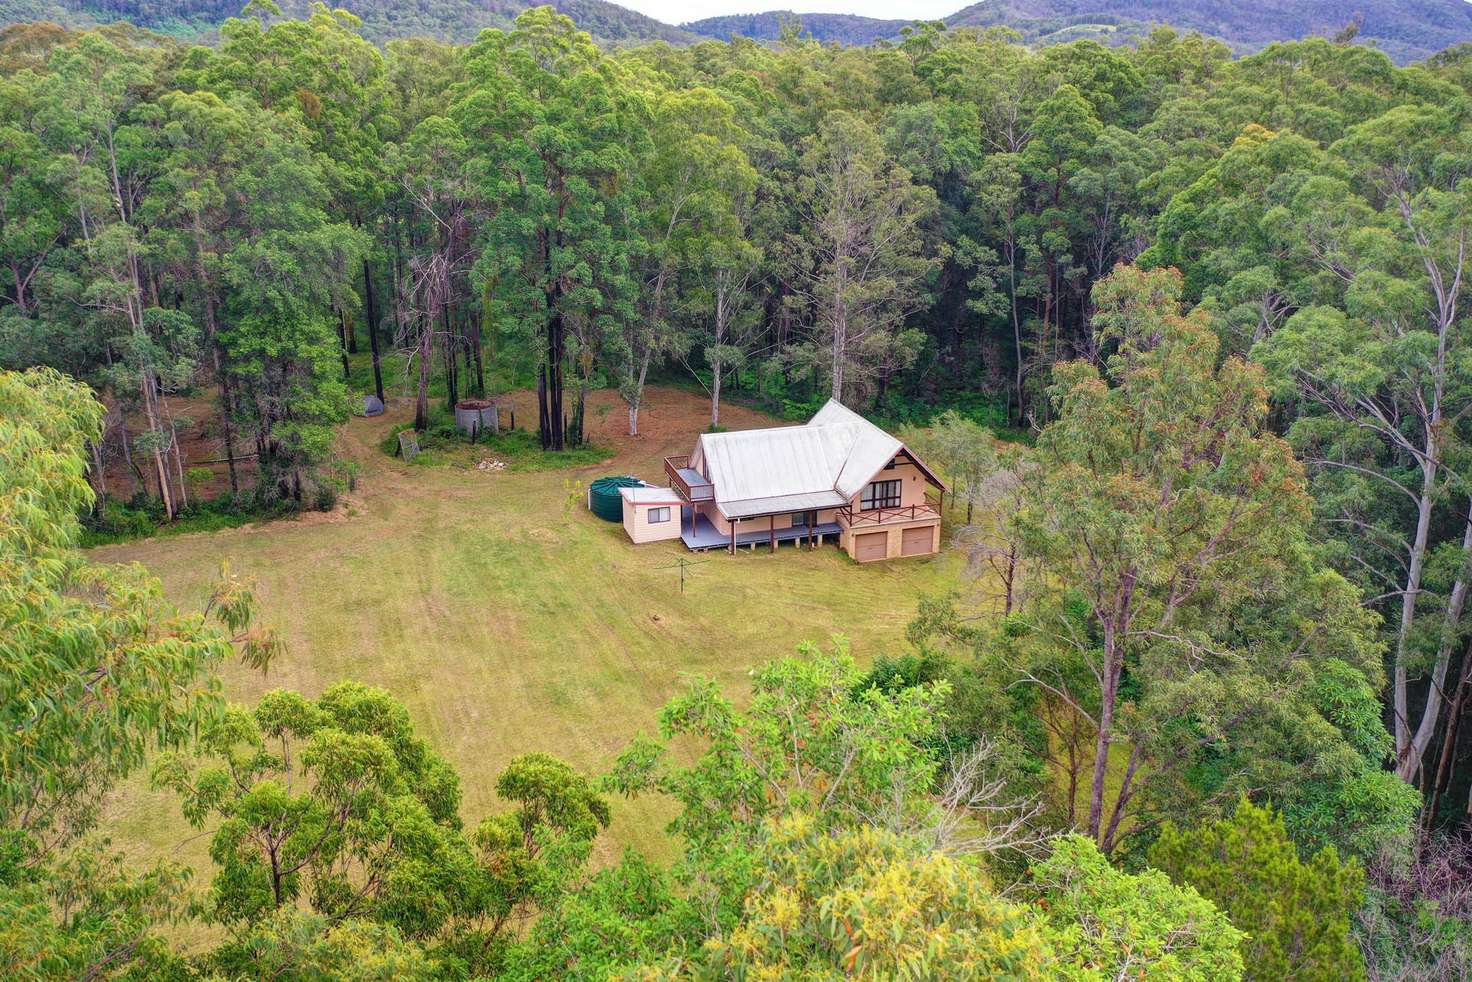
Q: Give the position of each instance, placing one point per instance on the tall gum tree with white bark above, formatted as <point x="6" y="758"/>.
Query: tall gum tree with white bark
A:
<point x="866" y="262"/>
<point x="1177" y="610"/>
<point x="692" y="179"/>
<point x="1383" y="381"/>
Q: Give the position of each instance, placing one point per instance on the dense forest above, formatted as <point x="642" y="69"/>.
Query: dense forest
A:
<point x="1210" y="726"/>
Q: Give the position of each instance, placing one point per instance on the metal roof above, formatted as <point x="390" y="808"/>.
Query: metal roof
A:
<point x="649" y="495"/>
<point x="821" y="464"/>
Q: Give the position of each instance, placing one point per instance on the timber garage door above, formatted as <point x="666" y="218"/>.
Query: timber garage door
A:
<point x="917" y="542"/>
<point x="870" y="546"/>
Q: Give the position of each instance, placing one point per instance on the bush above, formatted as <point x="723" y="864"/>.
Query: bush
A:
<point x="142" y="517"/>
<point x="324" y="497"/>
<point x="1296" y="914"/>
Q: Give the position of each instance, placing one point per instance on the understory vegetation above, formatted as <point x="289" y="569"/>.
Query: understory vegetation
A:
<point x="1186" y="335"/>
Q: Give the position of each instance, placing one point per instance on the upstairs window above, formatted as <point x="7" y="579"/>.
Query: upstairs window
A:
<point x="880" y="494"/>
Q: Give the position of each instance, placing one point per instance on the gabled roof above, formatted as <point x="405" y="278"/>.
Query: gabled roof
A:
<point x="821" y="464"/>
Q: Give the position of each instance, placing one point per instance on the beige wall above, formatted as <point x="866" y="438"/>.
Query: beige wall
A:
<point x="912" y="486"/>
<point x="640" y="529"/>
<point x="760" y="523"/>
<point x="896" y="536"/>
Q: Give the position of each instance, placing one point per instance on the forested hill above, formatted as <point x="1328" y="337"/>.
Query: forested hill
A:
<point x="383" y="20"/>
<point x="1407" y="30"/>
<point x="843" y="28"/>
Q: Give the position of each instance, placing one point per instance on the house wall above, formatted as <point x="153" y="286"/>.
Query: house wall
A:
<point x="895" y="543"/>
<point x="912" y="490"/>
<point x="640" y="529"/>
<point x="760" y="524"/>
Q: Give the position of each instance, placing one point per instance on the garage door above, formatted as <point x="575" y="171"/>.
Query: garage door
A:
<point x="917" y="542"/>
<point x="870" y="546"/>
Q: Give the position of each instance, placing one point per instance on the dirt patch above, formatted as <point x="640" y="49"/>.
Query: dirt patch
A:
<point x="668" y="423"/>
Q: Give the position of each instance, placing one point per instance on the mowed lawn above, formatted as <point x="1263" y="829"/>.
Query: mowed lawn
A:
<point x="509" y="619"/>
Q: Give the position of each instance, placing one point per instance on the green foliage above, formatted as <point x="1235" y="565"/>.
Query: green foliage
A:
<point x="335" y="803"/>
<point x="866" y="904"/>
<point x="334" y="800"/>
<point x="96" y="674"/>
<point x="118" y="521"/>
<point x="96" y="670"/>
<point x="1109" y="924"/>
<point x="1296" y="914"/>
<point x="442" y="445"/>
<point x="89" y="915"/>
<point x="1161" y="507"/>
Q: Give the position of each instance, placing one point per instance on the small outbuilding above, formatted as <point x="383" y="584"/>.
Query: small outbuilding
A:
<point x="651" y="514"/>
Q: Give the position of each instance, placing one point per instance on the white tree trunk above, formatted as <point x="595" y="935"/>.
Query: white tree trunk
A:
<point x="1408" y="766"/>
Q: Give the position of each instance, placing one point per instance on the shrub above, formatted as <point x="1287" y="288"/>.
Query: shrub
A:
<point x="1296" y="914"/>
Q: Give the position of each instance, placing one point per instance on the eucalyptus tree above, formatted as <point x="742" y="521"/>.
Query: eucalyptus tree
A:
<point x="1382" y="371"/>
<point x="551" y="129"/>
<point x="865" y="268"/>
<point x="432" y="172"/>
<point x="1183" y="616"/>
<point x="92" y="116"/>
<point x="693" y="180"/>
<point x="97" y="672"/>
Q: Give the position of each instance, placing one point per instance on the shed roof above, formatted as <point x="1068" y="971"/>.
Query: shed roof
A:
<point x="648" y="495"/>
<point x="821" y="464"/>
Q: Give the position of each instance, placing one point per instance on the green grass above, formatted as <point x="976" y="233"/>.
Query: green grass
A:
<point x="520" y="450"/>
<point x="119" y="522"/>
<point x="509" y="619"/>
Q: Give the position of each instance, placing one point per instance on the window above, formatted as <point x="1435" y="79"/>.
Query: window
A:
<point x="657" y="515"/>
<point x="802" y="519"/>
<point x="880" y="494"/>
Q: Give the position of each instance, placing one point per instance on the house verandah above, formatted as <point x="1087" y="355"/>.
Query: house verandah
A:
<point x="699" y="534"/>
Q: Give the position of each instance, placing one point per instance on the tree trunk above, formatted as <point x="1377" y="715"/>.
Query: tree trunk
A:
<point x="1113" y="664"/>
<point x="1449" y="741"/>
<point x="452" y="382"/>
<point x="637" y="396"/>
<point x="1401" y="679"/>
<point x="227" y="418"/>
<point x="421" y="401"/>
<point x="840" y="348"/>
<point x="715" y="395"/>
<point x="342" y="337"/>
<point x="371" y="312"/>
<point x="480" y="377"/>
<point x="165" y="493"/>
<point x="1408" y="765"/>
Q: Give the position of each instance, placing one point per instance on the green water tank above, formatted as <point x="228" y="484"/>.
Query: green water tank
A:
<point x="604" y="499"/>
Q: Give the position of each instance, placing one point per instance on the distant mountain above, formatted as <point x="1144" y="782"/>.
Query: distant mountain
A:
<point x="383" y="20"/>
<point x="848" y="29"/>
<point x="1406" y="30"/>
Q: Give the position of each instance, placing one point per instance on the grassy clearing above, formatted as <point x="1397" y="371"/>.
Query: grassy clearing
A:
<point x="441" y="445"/>
<point x="508" y="618"/>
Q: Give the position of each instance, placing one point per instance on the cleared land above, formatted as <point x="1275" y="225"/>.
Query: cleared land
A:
<point x="508" y="618"/>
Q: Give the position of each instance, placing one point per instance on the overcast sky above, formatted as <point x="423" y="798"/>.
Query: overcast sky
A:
<point x="680" y="11"/>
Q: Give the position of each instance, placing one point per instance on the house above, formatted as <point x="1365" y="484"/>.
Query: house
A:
<point x="838" y="477"/>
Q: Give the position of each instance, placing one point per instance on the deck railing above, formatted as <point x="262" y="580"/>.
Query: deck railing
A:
<point x="689" y="490"/>
<point x="853" y="517"/>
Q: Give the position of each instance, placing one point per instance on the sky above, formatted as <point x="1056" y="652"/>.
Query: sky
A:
<point x="681" y="11"/>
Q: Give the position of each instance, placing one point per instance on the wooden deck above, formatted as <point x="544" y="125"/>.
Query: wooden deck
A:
<point x="707" y="536"/>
